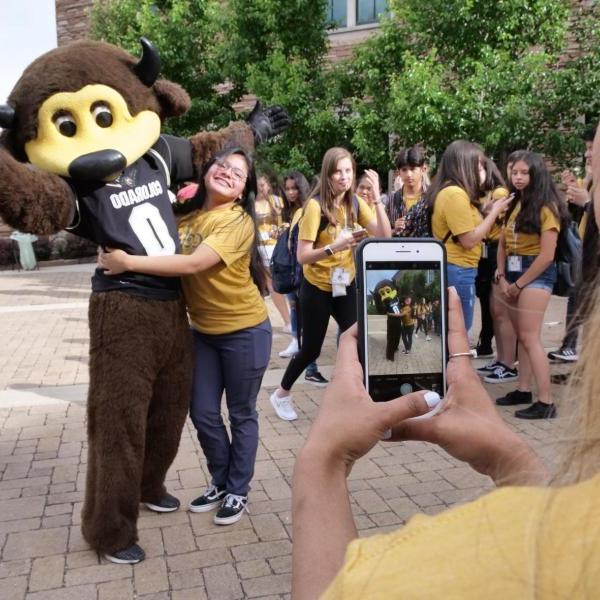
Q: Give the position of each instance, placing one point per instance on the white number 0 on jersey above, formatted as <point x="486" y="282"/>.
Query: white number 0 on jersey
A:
<point x="151" y="230"/>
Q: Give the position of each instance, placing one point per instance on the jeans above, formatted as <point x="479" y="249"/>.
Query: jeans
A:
<point x="292" y="299"/>
<point x="463" y="279"/>
<point x="544" y="281"/>
<point x="235" y="363"/>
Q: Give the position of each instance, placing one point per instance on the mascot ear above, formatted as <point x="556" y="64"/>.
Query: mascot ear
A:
<point x="7" y="116"/>
<point x="173" y="99"/>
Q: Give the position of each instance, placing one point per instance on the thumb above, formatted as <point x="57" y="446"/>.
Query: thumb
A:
<point x="409" y="406"/>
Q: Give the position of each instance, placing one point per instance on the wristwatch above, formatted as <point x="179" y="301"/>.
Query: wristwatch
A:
<point x="329" y="251"/>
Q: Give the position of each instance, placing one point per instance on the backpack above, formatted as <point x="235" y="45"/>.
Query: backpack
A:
<point x="286" y="271"/>
<point x="567" y="258"/>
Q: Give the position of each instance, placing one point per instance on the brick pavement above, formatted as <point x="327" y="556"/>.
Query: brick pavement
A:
<point x="43" y="353"/>
<point x="425" y="356"/>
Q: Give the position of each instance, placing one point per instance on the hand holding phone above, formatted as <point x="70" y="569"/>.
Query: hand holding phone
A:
<point x="360" y="234"/>
<point x="402" y="350"/>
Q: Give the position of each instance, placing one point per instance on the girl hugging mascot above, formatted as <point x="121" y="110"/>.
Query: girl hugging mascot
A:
<point x="82" y="150"/>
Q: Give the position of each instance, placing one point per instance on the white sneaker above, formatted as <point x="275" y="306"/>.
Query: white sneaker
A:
<point x="416" y="336"/>
<point x="428" y="338"/>
<point x="290" y="350"/>
<point x="287" y="329"/>
<point x="283" y="407"/>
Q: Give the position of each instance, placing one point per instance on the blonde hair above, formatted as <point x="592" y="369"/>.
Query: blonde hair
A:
<point x="582" y="453"/>
<point x="326" y="195"/>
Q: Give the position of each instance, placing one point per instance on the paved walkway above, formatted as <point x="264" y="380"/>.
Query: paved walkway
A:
<point x="43" y="382"/>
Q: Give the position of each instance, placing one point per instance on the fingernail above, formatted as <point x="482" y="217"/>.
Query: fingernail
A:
<point x="432" y="399"/>
<point x="387" y="434"/>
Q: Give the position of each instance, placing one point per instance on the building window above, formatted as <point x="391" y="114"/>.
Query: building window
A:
<point x="368" y="11"/>
<point x="338" y="12"/>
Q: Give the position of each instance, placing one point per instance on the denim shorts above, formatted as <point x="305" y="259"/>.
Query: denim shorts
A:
<point x="545" y="281"/>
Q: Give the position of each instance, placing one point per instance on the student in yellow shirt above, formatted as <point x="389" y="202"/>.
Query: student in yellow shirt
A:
<point x="526" y="274"/>
<point x="457" y="218"/>
<point x="407" y="313"/>
<point x="523" y="540"/>
<point x="325" y="243"/>
<point x="296" y="193"/>
<point x="269" y="218"/>
<point x="222" y="281"/>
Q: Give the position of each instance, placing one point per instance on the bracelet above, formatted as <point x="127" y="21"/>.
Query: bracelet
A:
<point x="500" y="275"/>
<point x="470" y="354"/>
<point x="517" y="286"/>
<point x="329" y="251"/>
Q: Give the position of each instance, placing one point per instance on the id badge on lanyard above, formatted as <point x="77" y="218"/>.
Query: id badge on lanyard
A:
<point x="340" y="279"/>
<point x="484" y="250"/>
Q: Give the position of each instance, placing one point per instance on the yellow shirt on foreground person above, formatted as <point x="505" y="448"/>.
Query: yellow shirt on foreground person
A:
<point x="527" y="244"/>
<point x="454" y="213"/>
<point x="513" y="543"/>
<point x="319" y="273"/>
<point x="229" y="231"/>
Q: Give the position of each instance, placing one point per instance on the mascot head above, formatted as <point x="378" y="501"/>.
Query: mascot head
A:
<point x="384" y="293"/>
<point x="89" y="109"/>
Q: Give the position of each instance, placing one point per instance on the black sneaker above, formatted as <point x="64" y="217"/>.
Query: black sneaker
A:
<point x="484" y="351"/>
<point x="563" y="355"/>
<point x="232" y="509"/>
<point x="489" y="368"/>
<point x="501" y="374"/>
<point x="515" y="397"/>
<point x="167" y="503"/>
<point x="211" y="498"/>
<point x="539" y="410"/>
<point x="316" y="379"/>
<point x="128" y="556"/>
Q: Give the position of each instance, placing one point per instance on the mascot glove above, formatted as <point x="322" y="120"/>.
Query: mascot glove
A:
<point x="266" y="123"/>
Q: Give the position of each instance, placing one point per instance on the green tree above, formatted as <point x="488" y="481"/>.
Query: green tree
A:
<point x="276" y="51"/>
<point x="494" y="72"/>
<point x="187" y="34"/>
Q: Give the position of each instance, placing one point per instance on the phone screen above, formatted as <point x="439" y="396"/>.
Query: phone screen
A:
<point x="404" y="327"/>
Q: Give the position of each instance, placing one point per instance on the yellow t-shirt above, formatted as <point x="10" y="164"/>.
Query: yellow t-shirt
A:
<point x="410" y="201"/>
<point x="319" y="273"/>
<point x="453" y="211"/>
<point x="406" y="314"/>
<point x="527" y="244"/>
<point x="269" y="219"/>
<point x="223" y="298"/>
<point x="513" y="543"/>
<point x="496" y="230"/>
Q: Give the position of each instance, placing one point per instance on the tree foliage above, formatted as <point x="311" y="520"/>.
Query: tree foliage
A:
<point x="492" y="72"/>
<point x="500" y="73"/>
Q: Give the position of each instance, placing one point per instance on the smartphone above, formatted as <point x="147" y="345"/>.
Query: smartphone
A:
<point x="360" y="234"/>
<point x="402" y="316"/>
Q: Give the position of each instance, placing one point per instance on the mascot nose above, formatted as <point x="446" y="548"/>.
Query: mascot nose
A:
<point x="97" y="165"/>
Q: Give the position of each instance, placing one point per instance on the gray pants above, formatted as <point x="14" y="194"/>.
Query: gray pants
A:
<point x="234" y="363"/>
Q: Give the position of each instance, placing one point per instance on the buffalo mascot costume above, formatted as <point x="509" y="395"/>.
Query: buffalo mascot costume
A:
<point x="82" y="150"/>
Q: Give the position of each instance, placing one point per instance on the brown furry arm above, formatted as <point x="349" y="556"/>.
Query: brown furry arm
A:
<point x="207" y="143"/>
<point x="33" y="201"/>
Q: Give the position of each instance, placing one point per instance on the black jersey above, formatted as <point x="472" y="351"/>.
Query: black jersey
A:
<point x="134" y="214"/>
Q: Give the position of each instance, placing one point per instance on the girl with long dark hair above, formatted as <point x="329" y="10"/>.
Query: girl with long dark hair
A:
<point x="325" y="244"/>
<point x="223" y="279"/>
<point x="527" y="273"/>
<point x="457" y="216"/>
<point x="295" y="194"/>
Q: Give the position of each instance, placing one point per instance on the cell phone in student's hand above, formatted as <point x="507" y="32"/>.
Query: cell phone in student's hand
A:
<point x="393" y="278"/>
<point x="360" y="234"/>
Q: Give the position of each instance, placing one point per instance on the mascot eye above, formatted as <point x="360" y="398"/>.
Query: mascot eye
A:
<point x="65" y="123"/>
<point x="102" y="115"/>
